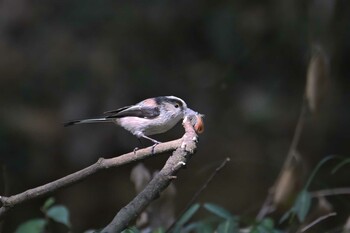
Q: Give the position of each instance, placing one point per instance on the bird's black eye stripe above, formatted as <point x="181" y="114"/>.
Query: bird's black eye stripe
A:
<point x="175" y="102"/>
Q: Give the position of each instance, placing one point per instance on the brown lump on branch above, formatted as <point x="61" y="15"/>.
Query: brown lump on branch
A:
<point x="199" y="126"/>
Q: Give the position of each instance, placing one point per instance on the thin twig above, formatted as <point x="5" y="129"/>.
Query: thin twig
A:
<point x="292" y="153"/>
<point x="313" y="223"/>
<point x="199" y="191"/>
<point x="102" y="164"/>
<point x="268" y="206"/>
<point x="330" y="192"/>
<point x="175" y="162"/>
<point x="205" y="185"/>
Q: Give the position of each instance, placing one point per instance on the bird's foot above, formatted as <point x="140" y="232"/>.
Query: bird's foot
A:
<point x="136" y="149"/>
<point x="154" y="145"/>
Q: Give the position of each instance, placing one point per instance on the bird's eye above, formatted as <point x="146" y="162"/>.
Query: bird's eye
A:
<point x="176" y="105"/>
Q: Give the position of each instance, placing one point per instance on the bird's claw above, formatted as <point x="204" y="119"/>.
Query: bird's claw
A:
<point x="136" y="149"/>
<point x="154" y="145"/>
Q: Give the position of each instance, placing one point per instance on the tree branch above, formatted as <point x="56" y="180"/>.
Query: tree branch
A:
<point x="178" y="159"/>
<point x="11" y="201"/>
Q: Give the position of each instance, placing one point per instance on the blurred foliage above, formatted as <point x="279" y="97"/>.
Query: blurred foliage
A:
<point x="56" y="213"/>
<point x="220" y="220"/>
<point x="241" y="63"/>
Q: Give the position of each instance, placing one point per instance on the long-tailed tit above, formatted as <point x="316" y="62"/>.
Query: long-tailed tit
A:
<point x="148" y="117"/>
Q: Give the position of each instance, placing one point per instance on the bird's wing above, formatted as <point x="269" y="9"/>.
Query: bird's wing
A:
<point x="135" y="111"/>
<point x="108" y="113"/>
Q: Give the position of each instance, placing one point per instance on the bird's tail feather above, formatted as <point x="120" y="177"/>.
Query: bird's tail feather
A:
<point x="87" y="121"/>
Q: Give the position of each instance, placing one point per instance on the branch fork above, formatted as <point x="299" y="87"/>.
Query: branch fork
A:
<point x="182" y="149"/>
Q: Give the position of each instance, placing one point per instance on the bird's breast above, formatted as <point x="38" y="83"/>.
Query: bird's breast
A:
<point x="157" y="125"/>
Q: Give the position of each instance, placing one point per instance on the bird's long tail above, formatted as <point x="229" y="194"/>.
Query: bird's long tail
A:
<point x="87" y="121"/>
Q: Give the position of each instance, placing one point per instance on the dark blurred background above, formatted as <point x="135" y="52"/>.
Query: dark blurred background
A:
<point x="241" y="63"/>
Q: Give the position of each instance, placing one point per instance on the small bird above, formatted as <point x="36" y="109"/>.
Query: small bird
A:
<point x="148" y="117"/>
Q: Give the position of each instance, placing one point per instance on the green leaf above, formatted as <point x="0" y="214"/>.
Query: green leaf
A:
<point x="32" y="226"/>
<point x="267" y="223"/>
<point x="300" y="208"/>
<point x="217" y="210"/>
<point x="190" y="227"/>
<point x="186" y="217"/>
<point x="48" y="203"/>
<point x="285" y="216"/>
<point x="264" y="226"/>
<point x="159" y="230"/>
<point x="59" y="213"/>
<point x="202" y="226"/>
<point x="302" y="205"/>
<point x="188" y="214"/>
<point x="131" y="230"/>
<point x="343" y="163"/>
<point x="317" y="168"/>
<point x="228" y="226"/>
<point x="194" y="227"/>
<point x="94" y="231"/>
